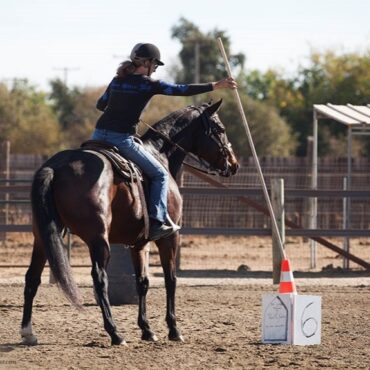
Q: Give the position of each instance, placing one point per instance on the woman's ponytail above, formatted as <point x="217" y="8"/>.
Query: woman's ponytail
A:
<point x="126" y="68"/>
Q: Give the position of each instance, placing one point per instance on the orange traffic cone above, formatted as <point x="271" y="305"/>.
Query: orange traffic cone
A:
<point x="287" y="284"/>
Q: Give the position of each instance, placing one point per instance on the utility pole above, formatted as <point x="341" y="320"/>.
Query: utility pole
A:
<point x="196" y="42"/>
<point x="196" y="62"/>
<point x="66" y="71"/>
<point x="12" y="82"/>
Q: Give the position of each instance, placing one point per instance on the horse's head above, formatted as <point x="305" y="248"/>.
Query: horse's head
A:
<point x="211" y="144"/>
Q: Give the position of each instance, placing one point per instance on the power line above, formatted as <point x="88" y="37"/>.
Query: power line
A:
<point x="66" y="71"/>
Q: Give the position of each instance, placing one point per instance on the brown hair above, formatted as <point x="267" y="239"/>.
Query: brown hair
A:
<point x="126" y="68"/>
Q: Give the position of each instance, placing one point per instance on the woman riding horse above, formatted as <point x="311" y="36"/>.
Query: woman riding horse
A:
<point x="122" y="104"/>
<point x="79" y="190"/>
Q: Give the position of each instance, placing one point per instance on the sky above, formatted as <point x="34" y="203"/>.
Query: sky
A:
<point x="39" y="38"/>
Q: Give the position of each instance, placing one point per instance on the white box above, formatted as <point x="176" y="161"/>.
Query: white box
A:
<point x="291" y="319"/>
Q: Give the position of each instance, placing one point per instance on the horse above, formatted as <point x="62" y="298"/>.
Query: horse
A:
<point x="79" y="190"/>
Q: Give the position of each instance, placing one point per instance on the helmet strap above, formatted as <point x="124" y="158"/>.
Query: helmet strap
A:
<point x="150" y="66"/>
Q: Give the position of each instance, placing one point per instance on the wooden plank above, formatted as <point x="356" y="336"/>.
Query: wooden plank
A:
<point x="313" y="233"/>
<point x="277" y="201"/>
<point x="224" y="231"/>
<point x="361" y="108"/>
<point x="353" y="233"/>
<point x="14" y="188"/>
<point x="351" y="113"/>
<point x="261" y="208"/>
<point x="298" y="193"/>
<point x="234" y="191"/>
<point x="16" y="228"/>
<point x="331" y="113"/>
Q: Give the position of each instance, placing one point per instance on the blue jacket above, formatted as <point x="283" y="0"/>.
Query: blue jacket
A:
<point x="125" y="99"/>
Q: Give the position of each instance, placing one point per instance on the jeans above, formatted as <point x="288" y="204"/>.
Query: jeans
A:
<point x="157" y="174"/>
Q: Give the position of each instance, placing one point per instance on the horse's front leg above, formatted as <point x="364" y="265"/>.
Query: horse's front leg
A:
<point x="139" y="259"/>
<point x="167" y="251"/>
<point x="100" y="254"/>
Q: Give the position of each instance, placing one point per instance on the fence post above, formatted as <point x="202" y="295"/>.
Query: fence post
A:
<point x="5" y="174"/>
<point x="345" y="224"/>
<point x="277" y="201"/>
<point x="180" y="183"/>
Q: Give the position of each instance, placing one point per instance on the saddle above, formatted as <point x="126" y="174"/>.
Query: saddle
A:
<point x="124" y="168"/>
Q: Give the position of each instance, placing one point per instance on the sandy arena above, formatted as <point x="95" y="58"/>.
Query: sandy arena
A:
<point x="218" y="309"/>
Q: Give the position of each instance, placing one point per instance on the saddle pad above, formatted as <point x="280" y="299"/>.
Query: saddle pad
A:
<point x="123" y="167"/>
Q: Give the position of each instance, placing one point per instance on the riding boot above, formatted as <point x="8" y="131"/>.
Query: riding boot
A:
<point x="159" y="230"/>
<point x="169" y="222"/>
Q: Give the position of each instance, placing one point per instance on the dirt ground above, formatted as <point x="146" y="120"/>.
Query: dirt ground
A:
<point x="221" y="326"/>
<point x="218" y="309"/>
<point x="205" y="253"/>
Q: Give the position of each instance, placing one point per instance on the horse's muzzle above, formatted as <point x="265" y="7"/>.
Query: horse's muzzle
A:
<point x="230" y="169"/>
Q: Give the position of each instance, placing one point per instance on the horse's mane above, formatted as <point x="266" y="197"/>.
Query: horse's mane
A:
<point x="172" y="124"/>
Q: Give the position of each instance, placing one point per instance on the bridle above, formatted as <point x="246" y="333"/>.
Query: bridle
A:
<point x="211" y="131"/>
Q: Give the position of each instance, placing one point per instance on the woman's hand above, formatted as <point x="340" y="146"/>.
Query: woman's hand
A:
<point x="226" y="83"/>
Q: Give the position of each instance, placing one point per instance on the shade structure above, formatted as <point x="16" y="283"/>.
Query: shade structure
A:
<point x="355" y="116"/>
<point x="357" y="120"/>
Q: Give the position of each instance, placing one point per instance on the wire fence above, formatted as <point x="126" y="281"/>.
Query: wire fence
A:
<point x="227" y="211"/>
<point x="215" y="211"/>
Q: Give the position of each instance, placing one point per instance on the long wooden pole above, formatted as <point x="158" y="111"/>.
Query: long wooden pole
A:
<point x="254" y="153"/>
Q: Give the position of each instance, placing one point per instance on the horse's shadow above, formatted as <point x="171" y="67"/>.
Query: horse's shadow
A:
<point x="209" y="273"/>
<point x="247" y="274"/>
<point x="8" y="347"/>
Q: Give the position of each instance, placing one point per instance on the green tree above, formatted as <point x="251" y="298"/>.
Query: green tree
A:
<point x="211" y="65"/>
<point x="328" y="78"/>
<point x="63" y="101"/>
<point x="336" y="79"/>
<point x="271" y="134"/>
<point x="76" y="112"/>
<point x="27" y="121"/>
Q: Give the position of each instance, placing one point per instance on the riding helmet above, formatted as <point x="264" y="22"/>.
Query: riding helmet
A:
<point x="146" y="51"/>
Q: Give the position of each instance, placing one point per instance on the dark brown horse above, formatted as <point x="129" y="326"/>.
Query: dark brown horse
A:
<point x="78" y="189"/>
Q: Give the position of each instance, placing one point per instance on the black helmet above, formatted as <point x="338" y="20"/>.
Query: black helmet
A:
<point x="146" y="51"/>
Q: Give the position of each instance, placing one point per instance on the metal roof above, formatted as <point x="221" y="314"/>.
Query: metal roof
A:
<point x="350" y="115"/>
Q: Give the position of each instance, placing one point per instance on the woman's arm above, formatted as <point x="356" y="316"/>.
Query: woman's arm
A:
<point x="226" y="83"/>
<point x="165" y="88"/>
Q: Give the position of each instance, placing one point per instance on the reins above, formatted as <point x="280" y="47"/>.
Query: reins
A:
<point x="209" y="171"/>
<point x="177" y="146"/>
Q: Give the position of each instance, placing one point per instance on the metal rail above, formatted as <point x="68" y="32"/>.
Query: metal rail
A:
<point x="293" y="193"/>
<point x="267" y="232"/>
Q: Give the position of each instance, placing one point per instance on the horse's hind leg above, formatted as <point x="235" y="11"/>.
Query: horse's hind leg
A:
<point x="142" y="284"/>
<point x="167" y="251"/>
<point x="100" y="254"/>
<point x="33" y="280"/>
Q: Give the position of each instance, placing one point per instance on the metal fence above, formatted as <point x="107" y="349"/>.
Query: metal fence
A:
<point x="221" y="211"/>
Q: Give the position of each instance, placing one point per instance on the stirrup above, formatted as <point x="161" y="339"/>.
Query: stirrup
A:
<point x="171" y="223"/>
<point x="160" y="231"/>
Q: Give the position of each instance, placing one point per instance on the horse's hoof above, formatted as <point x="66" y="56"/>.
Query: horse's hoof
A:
<point x="121" y="343"/>
<point x="176" y="338"/>
<point x="118" y="341"/>
<point x="29" y="340"/>
<point x="149" y="337"/>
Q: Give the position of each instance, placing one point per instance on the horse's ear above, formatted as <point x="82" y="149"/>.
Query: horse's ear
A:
<point x="212" y="109"/>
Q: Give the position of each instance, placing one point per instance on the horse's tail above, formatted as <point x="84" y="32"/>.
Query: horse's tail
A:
<point x="47" y="227"/>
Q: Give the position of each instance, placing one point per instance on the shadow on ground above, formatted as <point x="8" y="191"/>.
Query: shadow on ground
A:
<point x="335" y="273"/>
